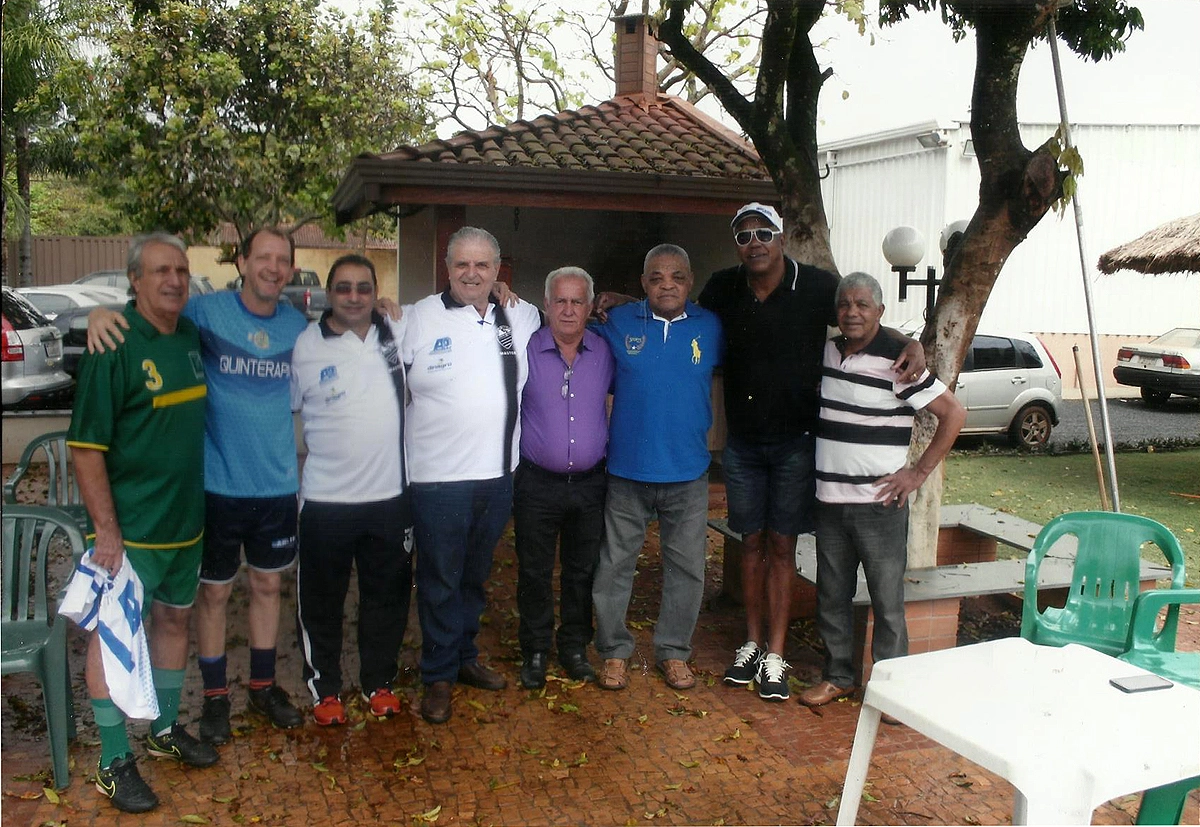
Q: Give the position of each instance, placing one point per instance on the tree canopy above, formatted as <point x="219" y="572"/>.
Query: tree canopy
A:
<point x="208" y="111"/>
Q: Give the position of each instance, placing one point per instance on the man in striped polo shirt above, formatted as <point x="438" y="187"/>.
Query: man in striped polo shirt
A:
<point x="862" y="481"/>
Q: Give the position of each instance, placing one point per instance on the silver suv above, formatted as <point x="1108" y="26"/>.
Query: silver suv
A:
<point x="32" y="354"/>
<point x="1009" y="383"/>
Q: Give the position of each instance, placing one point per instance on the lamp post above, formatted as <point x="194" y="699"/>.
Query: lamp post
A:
<point x="904" y="247"/>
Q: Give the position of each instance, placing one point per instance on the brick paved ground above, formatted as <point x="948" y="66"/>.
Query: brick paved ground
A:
<point x="570" y="754"/>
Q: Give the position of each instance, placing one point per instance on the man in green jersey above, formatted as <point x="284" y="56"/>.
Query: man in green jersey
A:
<point x="137" y="440"/>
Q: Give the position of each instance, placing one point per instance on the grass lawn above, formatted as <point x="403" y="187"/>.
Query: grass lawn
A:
<point x="1039" y="487"/>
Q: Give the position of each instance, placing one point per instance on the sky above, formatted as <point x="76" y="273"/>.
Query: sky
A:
<point x="915" y="72"/>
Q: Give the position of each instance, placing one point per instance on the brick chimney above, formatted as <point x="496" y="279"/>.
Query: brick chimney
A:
<point x="636" y="56"/>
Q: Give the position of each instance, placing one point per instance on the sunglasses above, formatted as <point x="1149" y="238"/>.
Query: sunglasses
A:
<point x="345" y="288"/>
<point x="744" y="237"/>
<point x="566" y="385"/>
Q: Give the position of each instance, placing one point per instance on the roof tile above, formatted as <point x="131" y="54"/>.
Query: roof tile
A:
<point x="663" y="134"/>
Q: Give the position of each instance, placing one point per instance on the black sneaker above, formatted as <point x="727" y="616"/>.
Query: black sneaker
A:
<point x="180" y="746"/>
<point x="273" y="702"/>
<point x="120" y="782"/>
<point x="745" y="664"/>
<point x="214" y="720"/>
<point x="772" y="678"/>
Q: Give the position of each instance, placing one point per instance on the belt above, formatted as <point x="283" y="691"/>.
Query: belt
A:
<point x="574" y="476"/>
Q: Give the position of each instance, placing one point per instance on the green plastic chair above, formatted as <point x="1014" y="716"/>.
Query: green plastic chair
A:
<point x="33" y="639"/>
<point x="63" y="489"/>
<point x="1164" y="805"/>
<point x="1151" y="650"/>
<point x="1105" y="582"/>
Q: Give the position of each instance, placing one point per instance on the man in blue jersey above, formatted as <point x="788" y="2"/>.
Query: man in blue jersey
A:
<point x="250" y="475"/>
<point x="665" y="350"/>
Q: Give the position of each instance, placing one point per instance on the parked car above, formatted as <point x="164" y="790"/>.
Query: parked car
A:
<point x="120" y="279"/>
<point x="305" y="292"/>
<point x="1009" y="384"/>
<point x="30" y="355"/>
<point x="58" y="298"/>
<point x="1169" y="364"/>
<point x="72" y="324"/>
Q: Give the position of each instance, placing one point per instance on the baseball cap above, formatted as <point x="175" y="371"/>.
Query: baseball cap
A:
<point x="754" y="208"/>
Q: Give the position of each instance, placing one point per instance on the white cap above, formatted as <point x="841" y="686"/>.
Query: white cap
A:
<point x="754" y="208"/>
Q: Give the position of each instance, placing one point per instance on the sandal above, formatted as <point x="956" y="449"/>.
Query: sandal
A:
<point x="614" y="675"/>
<point x="677" y="674"/>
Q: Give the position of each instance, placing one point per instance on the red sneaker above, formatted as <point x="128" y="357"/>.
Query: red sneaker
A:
<point x="382" y="703"/>
<point x="329" y="711"/>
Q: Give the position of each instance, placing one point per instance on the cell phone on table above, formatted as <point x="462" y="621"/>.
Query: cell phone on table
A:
<point x="1141" y="683"/>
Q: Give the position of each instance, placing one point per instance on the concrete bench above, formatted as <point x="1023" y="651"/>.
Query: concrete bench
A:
<point x="967" y="567"/>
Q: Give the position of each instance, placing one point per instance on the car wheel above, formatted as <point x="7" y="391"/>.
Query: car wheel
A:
<point x="1031" y="426"/>
<point x="1155" y="397"/>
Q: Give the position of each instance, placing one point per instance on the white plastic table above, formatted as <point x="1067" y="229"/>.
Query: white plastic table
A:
<point x="1043" y="718"/>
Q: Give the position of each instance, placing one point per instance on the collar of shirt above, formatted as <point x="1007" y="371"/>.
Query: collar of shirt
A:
<point x="451" y="303"/>
<point x="667" y="322"/>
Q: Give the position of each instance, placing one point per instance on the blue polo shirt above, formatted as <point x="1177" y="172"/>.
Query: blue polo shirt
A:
<point x="662" y="392"/>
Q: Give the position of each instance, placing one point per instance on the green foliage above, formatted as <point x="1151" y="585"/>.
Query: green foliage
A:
<point x="60" y="206"/>
<point x="207" y="111"/>
<point x="1070" y="162"/>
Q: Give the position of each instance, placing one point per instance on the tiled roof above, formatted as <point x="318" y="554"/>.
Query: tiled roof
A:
<point x="660" y="134"/>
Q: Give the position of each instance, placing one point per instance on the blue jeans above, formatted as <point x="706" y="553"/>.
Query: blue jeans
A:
<point x="682" y="511"/>
<point x="876" y="536"/>
<point x="770" y="485"/>
<point x="456" y="526"/>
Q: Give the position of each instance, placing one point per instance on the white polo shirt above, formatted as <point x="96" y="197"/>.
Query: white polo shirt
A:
<point x="347" y="402"/>
<point x="456" y="417"/>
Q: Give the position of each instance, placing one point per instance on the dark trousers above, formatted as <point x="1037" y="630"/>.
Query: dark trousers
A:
<point x="457" y="526"/>
<point x="568" y="511"/>
<point x="875" y="535"/>
<point x="334" y="537"/>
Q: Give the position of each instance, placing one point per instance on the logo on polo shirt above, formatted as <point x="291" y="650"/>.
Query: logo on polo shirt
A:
<point x="328" y="374"/>
<point x="696" y="354"/>
<point x="259" y="339"/>
<point x="504" y="336"/>
<point x="442" y="345"/>
<point x="634" y="344"/>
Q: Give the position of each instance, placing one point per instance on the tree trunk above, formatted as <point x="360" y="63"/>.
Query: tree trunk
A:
<point x="25" y="246"/>
<point x="1017" y="188"/>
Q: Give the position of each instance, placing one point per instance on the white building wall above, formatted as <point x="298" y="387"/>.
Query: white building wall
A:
<point x="1135" y="178"/>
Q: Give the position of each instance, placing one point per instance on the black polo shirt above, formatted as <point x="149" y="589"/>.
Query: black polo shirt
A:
<point x="773" y="348"/>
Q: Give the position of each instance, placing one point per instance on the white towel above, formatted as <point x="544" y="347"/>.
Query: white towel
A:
<point x="94" y="600"/>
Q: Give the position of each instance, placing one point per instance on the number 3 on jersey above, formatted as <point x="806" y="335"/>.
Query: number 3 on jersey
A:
<point x="154" y="380"/>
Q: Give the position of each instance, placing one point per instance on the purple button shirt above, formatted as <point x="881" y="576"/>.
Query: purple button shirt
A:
<point x="564" y="420"/>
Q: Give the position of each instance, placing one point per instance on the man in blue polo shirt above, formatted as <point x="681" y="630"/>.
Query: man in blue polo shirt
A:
<point x="665" y="349"/>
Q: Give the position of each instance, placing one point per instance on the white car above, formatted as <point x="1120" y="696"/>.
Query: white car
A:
<point x="1169" y="364"/>
<point x="58" y="298"/>
<point x="1009" y="384"/>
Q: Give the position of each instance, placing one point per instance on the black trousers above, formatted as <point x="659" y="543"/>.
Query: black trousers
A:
<point x="552" y="510"/>
<point x="371" y="537"/>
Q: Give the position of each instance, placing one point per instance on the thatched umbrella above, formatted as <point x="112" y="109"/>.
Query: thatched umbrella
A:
<point x="1172" y="248"/>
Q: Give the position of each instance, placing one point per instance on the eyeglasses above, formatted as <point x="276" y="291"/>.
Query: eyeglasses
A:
<point x="766" y="236"/>
<point x="566" y="386"/>
<point x="345" y="288"/>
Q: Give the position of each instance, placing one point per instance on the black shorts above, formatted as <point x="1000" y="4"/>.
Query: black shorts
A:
<point x="265" y="526"/>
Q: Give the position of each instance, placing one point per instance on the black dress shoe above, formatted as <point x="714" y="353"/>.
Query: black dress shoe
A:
<point x="479" y="676"/>
<point x="435" y="705"/>
<point x="533" y="671"/>
<point x="576" y="665"/>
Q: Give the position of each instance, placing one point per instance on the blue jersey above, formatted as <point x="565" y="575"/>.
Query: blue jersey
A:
<point x="662" y="392"/>
<point x="249" y="439"/>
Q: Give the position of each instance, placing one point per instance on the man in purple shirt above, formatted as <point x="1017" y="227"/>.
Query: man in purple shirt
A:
<point x="558" y="489"/>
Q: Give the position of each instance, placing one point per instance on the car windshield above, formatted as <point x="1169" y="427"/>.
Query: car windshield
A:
<point x="21" y="313"/>
<point x="1179" y="337"/>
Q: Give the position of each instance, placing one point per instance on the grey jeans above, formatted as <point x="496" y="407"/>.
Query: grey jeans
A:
<point x="876" y="536"/>
<point x="682" y="511"/>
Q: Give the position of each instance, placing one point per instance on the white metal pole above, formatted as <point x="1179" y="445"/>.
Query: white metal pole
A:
<point x="1084" y="270"/>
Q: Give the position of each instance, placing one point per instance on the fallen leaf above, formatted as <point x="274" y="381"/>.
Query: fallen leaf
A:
<point x="29" y="796"/>
<point x="429" y="815"/>
<point x="689" y="765"/>
<point x="672" y="787"/>
<point x="223" y="799"/>
<point x="192" y="818"/>
<point x="51" y="795"/>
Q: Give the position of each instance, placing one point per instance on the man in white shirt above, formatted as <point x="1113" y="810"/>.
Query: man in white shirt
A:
<point x="348" y="384"/>
<point x="466" y="365"/>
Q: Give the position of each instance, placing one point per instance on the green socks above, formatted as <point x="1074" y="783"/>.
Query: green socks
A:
<point x="168" y="685"/>
<point x="114" y="740"/>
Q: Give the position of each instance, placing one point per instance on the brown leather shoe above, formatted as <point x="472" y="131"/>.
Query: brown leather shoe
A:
<point x="677" y="674"/>
<point x="479" y="676"/>
<point x="823" y="693"/>
<point x="614" y="675"/>
<point x="435" y="705"/>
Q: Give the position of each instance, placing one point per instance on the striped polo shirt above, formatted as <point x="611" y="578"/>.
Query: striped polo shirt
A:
<point x="866" y="418"/>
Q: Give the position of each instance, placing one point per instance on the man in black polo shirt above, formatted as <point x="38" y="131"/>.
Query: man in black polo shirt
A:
<point x="776" y="313"/>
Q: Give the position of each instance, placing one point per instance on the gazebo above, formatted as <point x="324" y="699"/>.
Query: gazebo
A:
<point x="1173" y="247"/>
